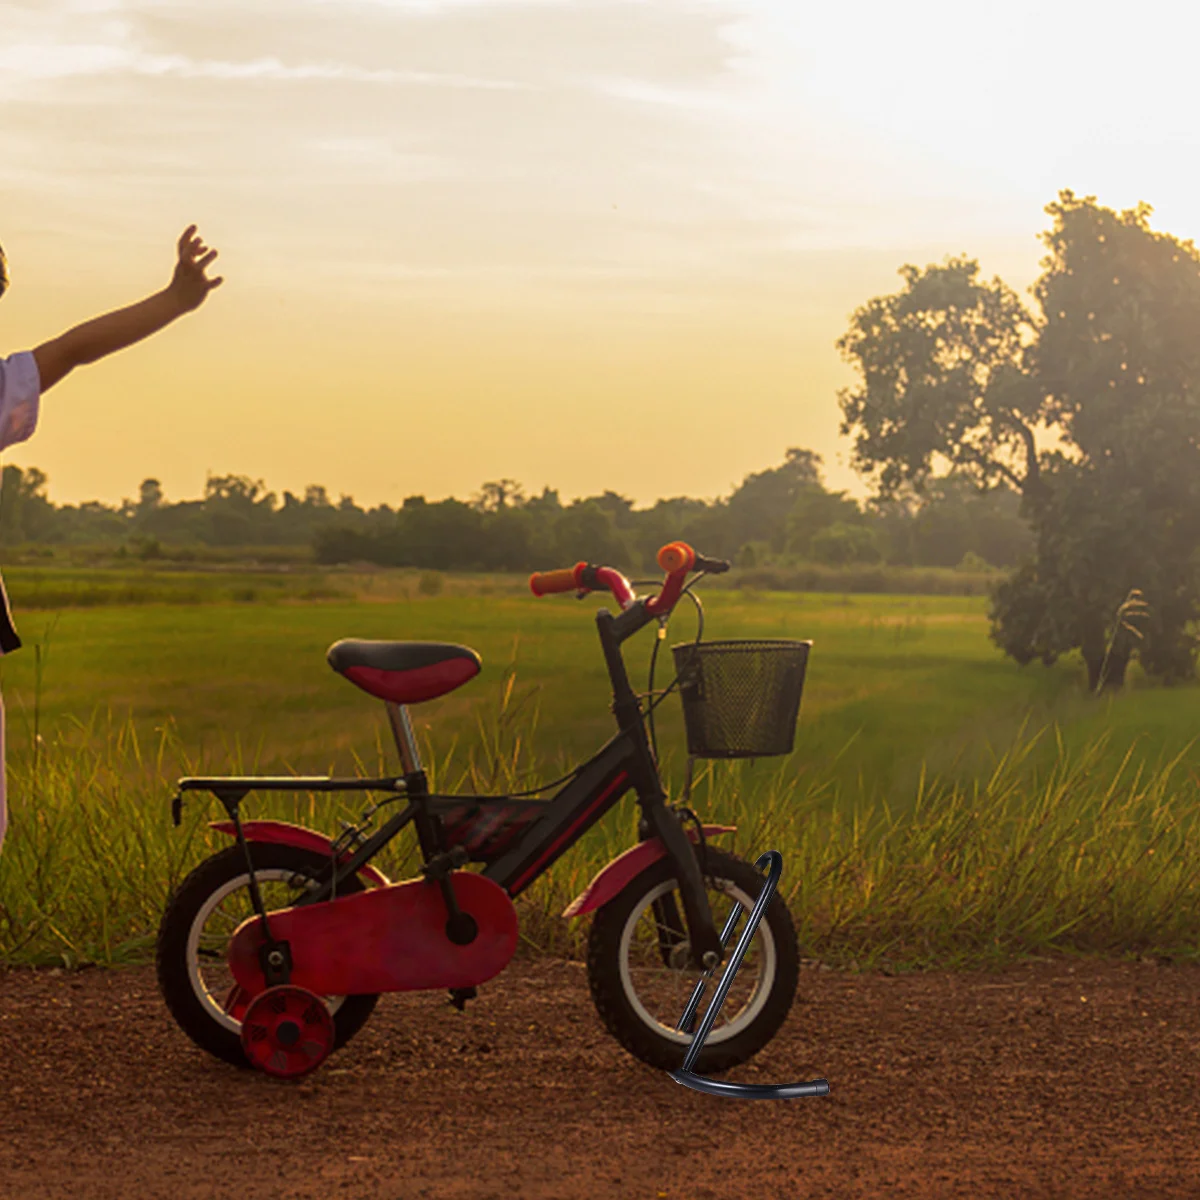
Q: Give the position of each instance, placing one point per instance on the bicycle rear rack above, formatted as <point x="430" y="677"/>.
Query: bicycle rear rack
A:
<point x="717" y="1087"/>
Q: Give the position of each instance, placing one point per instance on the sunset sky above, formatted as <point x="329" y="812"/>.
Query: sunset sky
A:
<point x="582" y="245"/>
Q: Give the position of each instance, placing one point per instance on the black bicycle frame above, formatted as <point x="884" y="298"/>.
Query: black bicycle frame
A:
<point x="626" y="762"/>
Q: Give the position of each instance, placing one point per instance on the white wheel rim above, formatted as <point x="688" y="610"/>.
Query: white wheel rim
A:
<point x="763" y="942"/>
<point x="213" y="1005"/>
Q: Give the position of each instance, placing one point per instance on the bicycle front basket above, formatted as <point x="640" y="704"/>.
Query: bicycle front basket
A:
<point x="741" y="698"/>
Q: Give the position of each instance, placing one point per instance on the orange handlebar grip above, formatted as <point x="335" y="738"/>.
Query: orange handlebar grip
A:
<point x="677" y="556"/>
<point x="543" y="583"/>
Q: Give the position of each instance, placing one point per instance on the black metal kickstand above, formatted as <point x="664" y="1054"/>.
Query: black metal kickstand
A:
<point x="717" y="1087"/>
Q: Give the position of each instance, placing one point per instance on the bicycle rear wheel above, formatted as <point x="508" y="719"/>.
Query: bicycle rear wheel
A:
<point x="193" y="976"/>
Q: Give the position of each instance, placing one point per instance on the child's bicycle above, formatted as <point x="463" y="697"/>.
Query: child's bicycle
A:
<point x="273" y="952"/>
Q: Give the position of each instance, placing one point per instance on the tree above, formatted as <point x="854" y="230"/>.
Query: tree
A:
<point x="679" y="518"/>
<point x="619" y="507"/>
<point x="150" y="495"/>
<point x="1089" y="554"/>
<point x="586" y="532"/>
<point x="951" y="518"/>
<point x="944" y="382"/>
<point x="25" y="510"/>
<point x="440" y="536"/>
<point x="239" y="509"/>
<point x="759" y="507"/>
<point x="957" y="373"/>
<point x="842" y="543"/>
<point x="815" y="511"/>
<point x="498" y="495"/>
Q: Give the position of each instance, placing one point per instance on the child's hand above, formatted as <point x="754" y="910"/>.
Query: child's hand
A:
<point x="115" y="330"/>
<point x="189" y="285"/>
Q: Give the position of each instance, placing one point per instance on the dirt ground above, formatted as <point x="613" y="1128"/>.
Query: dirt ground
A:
<point x="1046" y="1080"/>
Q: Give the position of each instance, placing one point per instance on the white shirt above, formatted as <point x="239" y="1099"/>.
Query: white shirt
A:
<point x="20" y="394"/>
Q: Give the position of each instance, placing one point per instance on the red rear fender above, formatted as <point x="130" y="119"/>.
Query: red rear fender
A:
<point x="626" y="867"/>
<point x="284" y="834"/>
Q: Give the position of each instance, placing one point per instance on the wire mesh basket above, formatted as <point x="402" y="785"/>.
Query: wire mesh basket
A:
<point x="741" y="698"/>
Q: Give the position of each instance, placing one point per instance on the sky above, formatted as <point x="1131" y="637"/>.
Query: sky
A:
<point x="605" y="244"/>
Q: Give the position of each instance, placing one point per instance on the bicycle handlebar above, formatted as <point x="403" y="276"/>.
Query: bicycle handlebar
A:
<point x="676" y="558"/>
<point x="545" y="583"/>
<point x="581" y="578"/>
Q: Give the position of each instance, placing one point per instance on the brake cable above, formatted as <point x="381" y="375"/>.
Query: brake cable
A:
<point x="660" y="635"/>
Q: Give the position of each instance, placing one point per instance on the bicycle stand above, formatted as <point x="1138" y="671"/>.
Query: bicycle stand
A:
<point x="717" y="1087"/>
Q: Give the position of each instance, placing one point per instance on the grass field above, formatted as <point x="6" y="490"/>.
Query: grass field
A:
<point x="895" y="684"/>
<point x="911" y="722"/>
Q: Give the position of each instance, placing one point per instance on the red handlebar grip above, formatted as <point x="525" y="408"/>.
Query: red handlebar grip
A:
<point x="544" y="583"/>
<point x="676" y="556"/>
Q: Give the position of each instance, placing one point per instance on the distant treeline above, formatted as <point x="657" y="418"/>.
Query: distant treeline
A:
<point x="777" y="517"/>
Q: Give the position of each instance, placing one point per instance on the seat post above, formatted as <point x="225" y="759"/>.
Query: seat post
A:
<point x="406" y="742"/>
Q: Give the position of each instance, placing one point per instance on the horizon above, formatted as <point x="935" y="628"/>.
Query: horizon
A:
<point x="335" y="498"/>
<point x="612" y="242"/>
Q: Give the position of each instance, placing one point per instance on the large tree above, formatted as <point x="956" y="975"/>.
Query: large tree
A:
<point x="1088" y="404"/>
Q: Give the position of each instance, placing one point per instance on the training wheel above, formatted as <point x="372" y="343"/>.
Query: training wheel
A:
<point x="287" y="1032"/>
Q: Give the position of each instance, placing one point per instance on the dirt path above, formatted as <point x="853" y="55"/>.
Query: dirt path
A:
<point x="1048" y="1080"/>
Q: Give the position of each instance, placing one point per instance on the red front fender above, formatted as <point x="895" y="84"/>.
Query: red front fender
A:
<point x="625" y="867"/>
<point x="285" y="834"/>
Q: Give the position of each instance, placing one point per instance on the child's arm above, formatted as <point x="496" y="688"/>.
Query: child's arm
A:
<point x="115" y="330"/>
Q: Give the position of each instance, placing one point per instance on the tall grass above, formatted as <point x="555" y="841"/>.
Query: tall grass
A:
<point x="1079" y="857"/>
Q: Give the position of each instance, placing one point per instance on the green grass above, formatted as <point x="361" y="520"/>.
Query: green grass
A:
<point x="895" y="684"/>
<point x="920" y="817"/>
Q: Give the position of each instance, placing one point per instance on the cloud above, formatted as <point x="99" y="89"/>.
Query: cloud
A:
<point x="701" y="101"/>
<point x="375" y="159"/>
<point x="49" y="61"/>
<point x="510" y="142"/>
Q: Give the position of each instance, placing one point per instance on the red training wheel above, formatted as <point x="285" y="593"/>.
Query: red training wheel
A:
<point x="287" y="1032"/>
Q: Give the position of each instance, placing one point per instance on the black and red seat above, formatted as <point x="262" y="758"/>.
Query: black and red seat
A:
<point x="404" y="672"/>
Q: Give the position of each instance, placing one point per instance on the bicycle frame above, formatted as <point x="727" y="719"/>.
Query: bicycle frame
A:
<point x="624" y="763"/>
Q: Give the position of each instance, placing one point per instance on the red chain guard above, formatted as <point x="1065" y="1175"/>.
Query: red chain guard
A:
<point x="387" y="939"/>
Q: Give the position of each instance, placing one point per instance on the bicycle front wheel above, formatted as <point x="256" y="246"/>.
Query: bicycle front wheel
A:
<point x="641" y="975"/>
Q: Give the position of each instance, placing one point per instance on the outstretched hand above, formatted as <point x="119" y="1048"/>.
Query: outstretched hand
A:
<point x="189" y="285"/>
<point x="115" y="330"/>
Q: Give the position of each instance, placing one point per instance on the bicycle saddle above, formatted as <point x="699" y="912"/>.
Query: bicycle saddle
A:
<point x="404" y="672"/>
